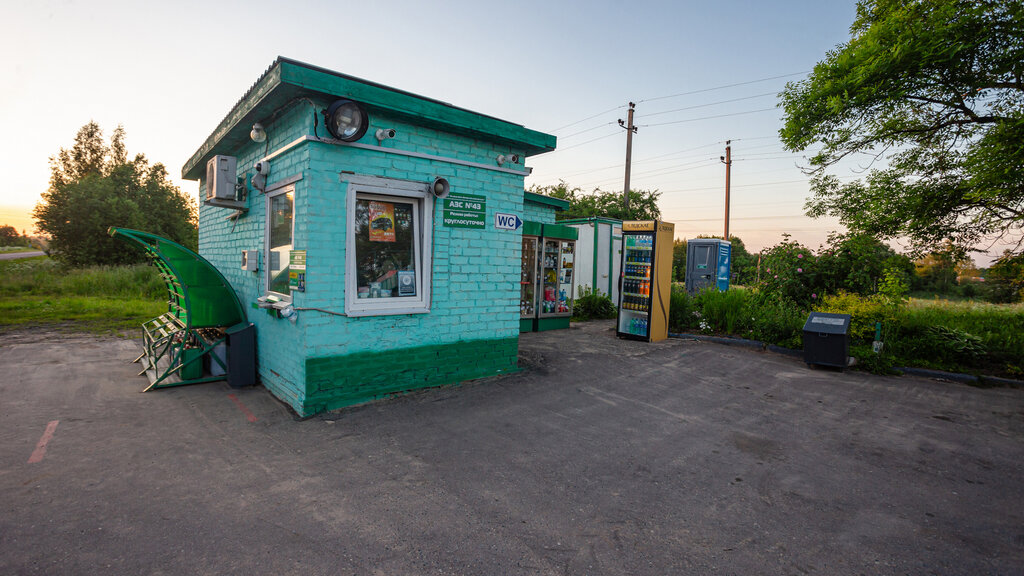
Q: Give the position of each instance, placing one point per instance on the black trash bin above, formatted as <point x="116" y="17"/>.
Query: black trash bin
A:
<point x="827" y="339"/>
<point x="241" y="349"/>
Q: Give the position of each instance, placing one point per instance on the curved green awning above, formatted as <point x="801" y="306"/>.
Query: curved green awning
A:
<point x="199" y="295"/>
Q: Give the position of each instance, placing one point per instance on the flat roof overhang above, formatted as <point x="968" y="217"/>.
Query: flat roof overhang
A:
<point x="288" y="80"/>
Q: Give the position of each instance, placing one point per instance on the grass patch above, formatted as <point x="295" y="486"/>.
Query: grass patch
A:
<point x="105" y="299"/>
<point x="978" y="336"/>
<point x="78" y="313"/>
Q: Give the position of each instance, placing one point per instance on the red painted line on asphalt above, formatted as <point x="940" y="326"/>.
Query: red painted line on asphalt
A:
<point x="40" y="451"/>
<point x="248" y="415"/>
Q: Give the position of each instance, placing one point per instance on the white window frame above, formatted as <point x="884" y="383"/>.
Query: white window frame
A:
<point x="423" y="214"/>
<point x="279" y="296"/>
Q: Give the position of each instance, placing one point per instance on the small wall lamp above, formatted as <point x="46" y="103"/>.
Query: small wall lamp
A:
<point x="258" y="134"/>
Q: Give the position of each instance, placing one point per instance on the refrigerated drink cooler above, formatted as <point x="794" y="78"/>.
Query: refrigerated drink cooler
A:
<point x="646" y="280"/>
<point x="546" y="287"/>
<point x="528" y="279"/>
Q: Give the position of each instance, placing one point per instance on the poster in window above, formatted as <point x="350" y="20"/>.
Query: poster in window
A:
<point x="382" y="222"/>
<point x="406" y="283"/>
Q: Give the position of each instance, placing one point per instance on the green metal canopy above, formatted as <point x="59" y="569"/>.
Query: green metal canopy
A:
<point x="199" y="296"/>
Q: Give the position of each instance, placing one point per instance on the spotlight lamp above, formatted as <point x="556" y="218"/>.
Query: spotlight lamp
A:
<point x="346" y="120"/>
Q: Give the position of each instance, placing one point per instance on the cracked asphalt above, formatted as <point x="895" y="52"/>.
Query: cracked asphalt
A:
<point x="600" y="456"/>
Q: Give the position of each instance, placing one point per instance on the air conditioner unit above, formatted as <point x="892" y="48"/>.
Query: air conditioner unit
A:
<point x="221" y="175"/>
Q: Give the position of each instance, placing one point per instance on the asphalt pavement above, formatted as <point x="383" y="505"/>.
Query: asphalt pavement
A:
<point x="19" y="255"/>
<point x="600" y="456"/>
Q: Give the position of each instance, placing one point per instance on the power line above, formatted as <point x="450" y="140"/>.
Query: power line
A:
<point x="557" y="150"/>
<point x="701" y="91"/>
<point x="587" y="118"/>
<point x="587" y="130"/>
<point x="670" y="170"/>
<point x="738" y="186"/>
<point x="770" y="158"/>
<point x="707" y="117"/>
<point x="777" y="217"/>
<point x="723" y="87"/>
<point x="681" y="168"/>
<point x="711" y="104"/>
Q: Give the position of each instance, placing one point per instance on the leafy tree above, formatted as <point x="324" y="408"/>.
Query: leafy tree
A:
<point x="1005" y="278"/>
<point x="643" y="204"/>
<point x="938" y="270"/>
<point x="9" y="237"/>
<point x="857" y="262"/>
<point x="932" y="90"/>
<point x="679" y="260"/>
<point x="743" y="263"/>
<point x="94" y="186"/>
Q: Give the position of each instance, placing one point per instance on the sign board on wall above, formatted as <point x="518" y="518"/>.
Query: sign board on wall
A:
<point x="504" y="221"/>
<point x="297" y="270"/>
<point x="465" y="211"/>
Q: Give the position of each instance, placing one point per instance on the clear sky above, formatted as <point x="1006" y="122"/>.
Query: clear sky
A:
<point x="700" y="73"/>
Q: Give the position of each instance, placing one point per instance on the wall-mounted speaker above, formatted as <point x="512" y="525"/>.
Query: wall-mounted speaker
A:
<point x="440" y="187"/>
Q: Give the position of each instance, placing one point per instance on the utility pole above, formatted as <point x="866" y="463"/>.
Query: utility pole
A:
<point x="630" y="130"/>
<point x="727" y="160"/>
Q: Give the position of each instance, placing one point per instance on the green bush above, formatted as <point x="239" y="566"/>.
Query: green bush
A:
<point x="591" y="305"/>
<point x="724" y="312"/>
<point x="680" y="311"/>
<point x="788" y="272"/>
<point x="865" y="312"/>
<point x="775" y="321"/>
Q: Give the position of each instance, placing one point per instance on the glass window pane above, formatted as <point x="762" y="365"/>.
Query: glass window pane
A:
<point x="385" y="233"/>
<point x="281" y="209"/>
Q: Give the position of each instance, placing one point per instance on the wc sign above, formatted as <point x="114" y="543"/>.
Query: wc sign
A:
<point x="504" y="221"/>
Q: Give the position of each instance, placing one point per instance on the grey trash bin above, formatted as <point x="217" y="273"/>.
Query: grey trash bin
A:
<point x="827" y="339"/>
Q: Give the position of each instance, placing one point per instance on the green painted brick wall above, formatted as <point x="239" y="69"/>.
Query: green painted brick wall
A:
<point x="325" y="360"/>
<point x="535" y="212"/>
<point x="336" y="381"/>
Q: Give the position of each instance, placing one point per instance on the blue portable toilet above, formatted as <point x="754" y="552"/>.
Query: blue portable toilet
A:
<point x="708" y="263"/>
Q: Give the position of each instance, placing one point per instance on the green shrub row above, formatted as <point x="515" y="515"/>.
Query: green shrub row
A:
<point x="956" y="336"/>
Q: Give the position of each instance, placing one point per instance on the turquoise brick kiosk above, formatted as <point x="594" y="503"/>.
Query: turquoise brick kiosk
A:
<point x="365" y="228"/>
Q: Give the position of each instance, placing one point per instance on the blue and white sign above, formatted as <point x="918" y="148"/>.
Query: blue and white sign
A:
<point x="504" y="221"/>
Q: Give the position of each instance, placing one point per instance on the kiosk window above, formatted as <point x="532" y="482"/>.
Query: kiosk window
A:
<point x="388" y="250"/>
<point x="280" y="218"/>
<point x="385" y="248"/>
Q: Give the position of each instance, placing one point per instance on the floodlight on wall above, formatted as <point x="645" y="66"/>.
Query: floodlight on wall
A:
<point x="258" y="134"/>
<point x="346" y="120"/>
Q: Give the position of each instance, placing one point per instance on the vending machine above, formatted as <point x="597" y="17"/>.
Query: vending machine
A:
<point x="557" y="269"/>
<point x="646" y="280"/>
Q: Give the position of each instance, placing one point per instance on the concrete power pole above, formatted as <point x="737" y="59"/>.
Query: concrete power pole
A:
<point x="630" y="130"/>
<point x="727" y="160"/>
